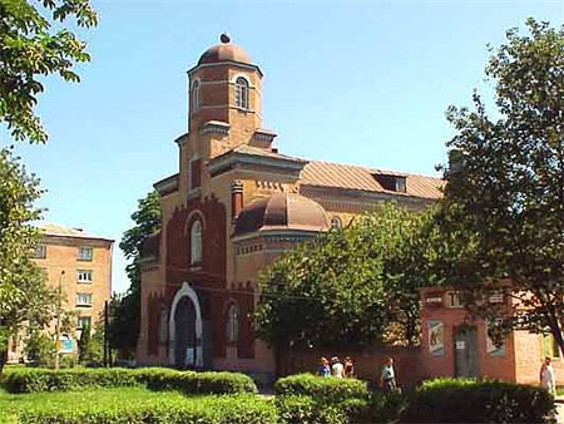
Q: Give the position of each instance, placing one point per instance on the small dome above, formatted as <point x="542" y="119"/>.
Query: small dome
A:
<point x="224" y="52"/>
<point x="282" y="211"/>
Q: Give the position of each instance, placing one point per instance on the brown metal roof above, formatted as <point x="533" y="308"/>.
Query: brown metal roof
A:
<point x="225" y="52"/>
<point x="352" y="177"/>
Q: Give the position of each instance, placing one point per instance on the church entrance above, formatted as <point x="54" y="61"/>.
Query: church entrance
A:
<point x="466" y="351"/>
<point x="185" y="320"/>
<point x="185" y="324"/>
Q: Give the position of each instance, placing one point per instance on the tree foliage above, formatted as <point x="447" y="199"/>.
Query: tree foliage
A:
<point x="358" y="285"/>
<point x="24" y="296"/>
<point x="126" y="309"/>
<point x="504" y="197"/>
<point x="32" y="47"/>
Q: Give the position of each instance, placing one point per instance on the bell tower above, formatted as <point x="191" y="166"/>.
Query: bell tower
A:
<point x="225" y="86"/>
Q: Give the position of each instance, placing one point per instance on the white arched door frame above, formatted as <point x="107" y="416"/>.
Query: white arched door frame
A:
<point x="186" y="291"/>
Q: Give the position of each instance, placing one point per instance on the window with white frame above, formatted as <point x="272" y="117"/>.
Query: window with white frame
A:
<point x="83" y="322"/>
<point x="83" y="299"/>
<point x="84" y="276"/>
<point x="233" y="323"/>
<point x="196" y="96"/>
<point x="453" y="299"/>
<point x="336" y="223"/>
<point x="85" y="253"/>
<point x="242" y="93"/>
<point x="40" y="252"/>
<point x="196" y="243"/>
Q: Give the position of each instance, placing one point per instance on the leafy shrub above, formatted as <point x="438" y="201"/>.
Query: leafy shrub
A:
<point x="306" y="410"/>
<point x="243" y="409"/>
<point x="466" y="400"/>
<point x="42" y="380"/>
<point x="329" y="390"/>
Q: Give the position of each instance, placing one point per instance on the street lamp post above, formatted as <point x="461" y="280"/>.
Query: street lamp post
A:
<point x="58" y="322"/>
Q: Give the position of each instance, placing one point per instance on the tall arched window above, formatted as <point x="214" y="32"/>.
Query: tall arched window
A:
<point x="195" y="96"/>
<point x="242" y="93"/>
<point x="163" y="326"/>
<point x="233" y="323"/>
<point x="196" y="243"/>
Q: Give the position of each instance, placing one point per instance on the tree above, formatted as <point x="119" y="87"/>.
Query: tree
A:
<point x="126" y="309"/>
<point x="358" y="285"/>
<point x="30" y="49"/>
<point x="91" y="344"/>
<point x="24" y="296"/>
<point x="504" y="197"/>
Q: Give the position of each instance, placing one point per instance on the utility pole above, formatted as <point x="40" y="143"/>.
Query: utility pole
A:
<point x="58" y="322"/>
<point x="107" y="353"/>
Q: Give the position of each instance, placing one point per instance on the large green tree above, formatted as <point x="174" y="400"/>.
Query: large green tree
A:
<point x="33" y="45"/>
<point x="24" y="296"/>
<point x="505" y="185"/>
<point x="355" y="286"/>
<point x="126" y="308"/>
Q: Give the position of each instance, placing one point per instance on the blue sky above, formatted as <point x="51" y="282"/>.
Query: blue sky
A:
<point x="357" y="82"/>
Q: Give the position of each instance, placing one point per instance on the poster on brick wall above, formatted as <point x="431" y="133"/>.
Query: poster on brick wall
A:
<point x="436" y="337"/>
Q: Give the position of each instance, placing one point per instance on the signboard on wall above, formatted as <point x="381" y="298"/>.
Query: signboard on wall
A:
<point x="436" y="337"/>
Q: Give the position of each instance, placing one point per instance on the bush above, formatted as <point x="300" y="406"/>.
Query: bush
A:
<point x="42" y="380"/>
<point x="467" y="400"/>
<point x="328" y="390"/>
<point x="202" y="410"/>
<point x="306" y="410"/>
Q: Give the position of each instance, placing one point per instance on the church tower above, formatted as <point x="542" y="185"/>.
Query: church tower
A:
<point x="225" y="87"/>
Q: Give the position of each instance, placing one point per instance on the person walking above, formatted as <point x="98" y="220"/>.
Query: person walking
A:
<point x="337" y="369"/>
<point x="388" y="376"/>
<point x="349" y="367"/>
<point x="547" y="376"/>
<point x="324" y="368"/>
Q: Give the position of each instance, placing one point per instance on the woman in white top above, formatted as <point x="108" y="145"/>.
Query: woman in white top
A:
<point x="547" y="377"/>
<point x="337" y="369"/>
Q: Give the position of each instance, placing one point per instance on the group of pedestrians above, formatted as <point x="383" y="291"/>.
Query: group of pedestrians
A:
<point x="336" y="368"/>
<point x="345" y="369"/>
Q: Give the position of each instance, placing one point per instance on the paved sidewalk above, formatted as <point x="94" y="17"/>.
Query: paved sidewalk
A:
<point x="560" y="409"/>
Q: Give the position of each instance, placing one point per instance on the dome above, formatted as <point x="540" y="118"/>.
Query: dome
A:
<point x="282" y="211"/>
<point x="224" y="52"/>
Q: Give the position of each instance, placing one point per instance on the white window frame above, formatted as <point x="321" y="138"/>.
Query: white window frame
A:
<point x="84" y="299"/>
<point x="80" y="324"/>
<point x="195" y="95"/>
<point x="233" y="323"/>
<point x="336" y="223"/>
<point x="84" y="276"/>
<point x="452" y="300"/>
<point x="196" y="242"/>
<point x="85" y="258"/>
<point x="43" y="251"/>
<point x="242" y="90"/>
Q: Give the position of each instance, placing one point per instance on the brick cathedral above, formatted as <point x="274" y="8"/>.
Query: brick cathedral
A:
<point x="234" y="206"/>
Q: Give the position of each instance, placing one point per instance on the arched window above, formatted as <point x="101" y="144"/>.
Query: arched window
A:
<point x="336" y="223"/>
<point x="233" y="324"/>
<point x="195" y="96"/>
<point x="196" y="243"/>
<point x="242" y="93"/>
<point x="163" y="326"/>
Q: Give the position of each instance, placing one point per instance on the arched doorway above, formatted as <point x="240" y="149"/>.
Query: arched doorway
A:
<point x="185" y="323"/>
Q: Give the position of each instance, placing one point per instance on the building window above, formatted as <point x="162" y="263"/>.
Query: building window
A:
<point x="85" y="254"/>
<point x="194" y="173"/>
<point x="550" y="346"/>
<point x="336" y="223"/>
<point x="84" y="276"/>
<point x="84" y="299"/>
<point x="163" y="326"/>
<point x="233" y="324"/>
<point x="453" y="300"/>
<point x="196" y="243"/>
<point x="83" y="322"/>
<point x="242" y="93"/>
<point x="196" y="96"/>
<point x="40" y="252"/>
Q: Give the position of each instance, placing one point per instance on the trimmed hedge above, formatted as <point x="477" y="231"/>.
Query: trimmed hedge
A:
<point x="328" y="390"/>
<point x="242" y="409"/>
<point x="467" y="400"/>
<point x="33" y="380"/>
